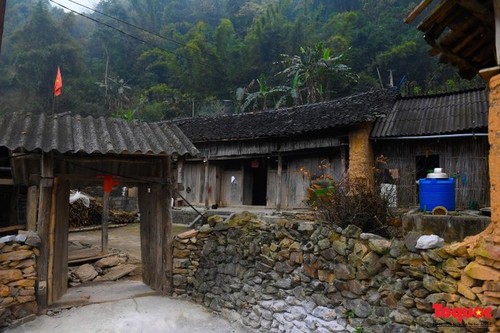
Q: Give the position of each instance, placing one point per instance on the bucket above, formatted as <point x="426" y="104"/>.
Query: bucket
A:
<point x="435" y="192"/>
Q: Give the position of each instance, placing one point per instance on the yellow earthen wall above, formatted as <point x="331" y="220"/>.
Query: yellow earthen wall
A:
<point x="494" y="140"/>
<point x="361" y="154"/>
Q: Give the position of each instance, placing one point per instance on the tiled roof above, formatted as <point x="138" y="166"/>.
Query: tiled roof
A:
<point x="458" y="112"/>
<point x="286" y="122"/>
<point x="66" y="133"/>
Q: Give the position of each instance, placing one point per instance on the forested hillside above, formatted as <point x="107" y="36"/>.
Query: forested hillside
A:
<point x="159" y="59"/>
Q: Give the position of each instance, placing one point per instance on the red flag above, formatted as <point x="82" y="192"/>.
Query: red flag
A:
<point x="58" y="83"/>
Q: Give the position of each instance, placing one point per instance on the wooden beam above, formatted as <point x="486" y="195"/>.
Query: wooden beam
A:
<point x="496" y="6"/>
<point x="462" y="63"/>
<point x="479" y="11"/>
<point x="5" y="181"/>
<point x="438" y="13"/>
<point x="417" y="10"/>
<point x="12" y="228"/>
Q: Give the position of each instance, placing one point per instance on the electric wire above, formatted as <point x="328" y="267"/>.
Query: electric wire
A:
<point x="129" y="24"/>
<point x="114" y="28"/>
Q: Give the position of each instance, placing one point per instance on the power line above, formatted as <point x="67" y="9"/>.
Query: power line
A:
<point x="129" y="24"/>
<point x="114" y="28"/>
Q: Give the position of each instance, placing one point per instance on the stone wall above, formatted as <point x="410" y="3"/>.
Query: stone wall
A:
<point x="310" y="277"/>
<point x="18" y="277"/>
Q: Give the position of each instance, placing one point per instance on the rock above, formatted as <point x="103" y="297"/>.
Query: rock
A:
<point x="379" y="246"/>
<point x="9" y="275"/>
<point x="352" y="231"/>
<point x="367" y="236"/>
<point x="411" y="240"/>
<point x="344" y="272"/>
<point x="431" y="283"/>
<point x="6" y="239"/>
<point x="371" y="262"/>
<point x="329" y="254"/>
<point x="274" y="306"/>
<point x="33" y="239"/>
<point x="466" y="291"/>
<point x="16" y="255"/>
<point x="324" y="313"/>
<point x="284" y="283"/>
<point x="456" y="249"/>
<point x="361" y="308"/>
<point x="86" y="272"/>
<point x="401" y="318"/>
<point x="108" y="262"/>
<point x="324" y="243"/>
<point x="118" y="271"/>
<point x="188" y="234"/>
<point x="481" y="272"/>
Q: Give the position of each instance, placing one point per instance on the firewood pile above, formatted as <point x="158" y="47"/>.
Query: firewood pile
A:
<point x="82" y="216"/>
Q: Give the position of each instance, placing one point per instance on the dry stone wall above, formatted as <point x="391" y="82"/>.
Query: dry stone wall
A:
<point x="311" y="277"/>
<point x="18" y="277"/>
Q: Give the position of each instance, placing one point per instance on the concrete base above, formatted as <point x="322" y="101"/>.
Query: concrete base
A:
<point x="452" y="228"/>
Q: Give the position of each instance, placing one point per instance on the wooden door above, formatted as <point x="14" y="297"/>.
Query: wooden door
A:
<point x="232" y="188"/>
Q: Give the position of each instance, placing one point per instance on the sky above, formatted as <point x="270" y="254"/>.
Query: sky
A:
<point x="73" y="6"/>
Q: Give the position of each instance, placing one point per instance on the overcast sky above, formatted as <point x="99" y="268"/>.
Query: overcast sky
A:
<point x="75" y="7"/>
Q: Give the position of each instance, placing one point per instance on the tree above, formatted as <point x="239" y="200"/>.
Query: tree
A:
<point x="315" y="73"/>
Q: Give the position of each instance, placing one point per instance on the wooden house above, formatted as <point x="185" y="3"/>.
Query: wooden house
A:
<point x="268" y="158"/>
<point x="425" y="132"/>
<point x="43" y="156"/>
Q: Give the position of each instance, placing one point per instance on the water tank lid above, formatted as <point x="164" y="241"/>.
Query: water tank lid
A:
<point x="438" y="173"/>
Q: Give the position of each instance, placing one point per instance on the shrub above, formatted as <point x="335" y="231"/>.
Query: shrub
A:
<point x="345" y="202"/>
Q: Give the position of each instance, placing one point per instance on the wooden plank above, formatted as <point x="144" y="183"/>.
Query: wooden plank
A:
<point x="156" y="238"/>
<point x="168" y="239"/>
<point x="279" y="173"/>
<point x="205" y="187"/>
<point x="6" y="181"/>
<point x="12" y="228"/>
<point x="441" y="11"/>
<point x="45" y="198"/>
<point x="479" y="11"/>
<point x="31" y="207"/>
<point x="417" y="10"/>
<point x="61" y="257"/>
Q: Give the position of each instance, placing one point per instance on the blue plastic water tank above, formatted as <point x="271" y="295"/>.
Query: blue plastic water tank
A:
<point x="436" y="192"/>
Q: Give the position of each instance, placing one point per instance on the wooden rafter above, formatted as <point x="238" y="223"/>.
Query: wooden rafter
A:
<point x="439" y="13"/>
<point x="417" y="10"/>
<point x="479" y="11"/>
<point x="465" y="66"/>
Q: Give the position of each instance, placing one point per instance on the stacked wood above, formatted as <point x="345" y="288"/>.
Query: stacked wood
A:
<point x="82" y="216"/>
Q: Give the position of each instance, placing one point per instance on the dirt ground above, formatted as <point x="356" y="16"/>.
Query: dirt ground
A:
<point x="126" y="238"/>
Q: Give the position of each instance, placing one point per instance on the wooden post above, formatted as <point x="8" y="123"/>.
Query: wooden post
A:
<point x="278" y="183"/>
<point x="44" y="205"/>
<point x="168" y="258"/>
<point x="3" y="5"/>
<point x="496" y="6"/>
<point x="51" y="242"/>
<point x="207" y="206"/>
<point x="60" y="247"/>
<point x="105" y="222"/>
<point x="31" y="207"/>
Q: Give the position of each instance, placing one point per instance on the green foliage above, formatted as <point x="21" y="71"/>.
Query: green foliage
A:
<point x="211" y="47"/>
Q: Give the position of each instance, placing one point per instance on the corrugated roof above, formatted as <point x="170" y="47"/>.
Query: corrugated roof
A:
<point x="286" y="122"/>
<point x="433" y="115"/>
<point x="66" y="133"/>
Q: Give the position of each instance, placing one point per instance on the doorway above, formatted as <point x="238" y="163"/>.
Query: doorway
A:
<point x="425" y="164"/>
<point x="259" y="180"/>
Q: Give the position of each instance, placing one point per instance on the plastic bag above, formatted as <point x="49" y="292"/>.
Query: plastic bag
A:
<point x="77" y="195"/>
<point x="429" y="242"/>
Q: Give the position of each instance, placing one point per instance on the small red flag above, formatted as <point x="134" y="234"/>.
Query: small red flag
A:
<point x="58" y="83"/>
